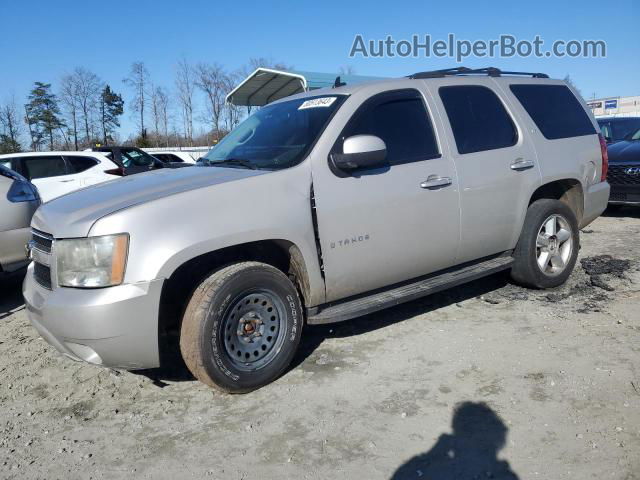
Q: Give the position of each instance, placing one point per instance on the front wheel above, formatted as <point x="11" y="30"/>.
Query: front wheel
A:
<point x="241" y="327"/>
<point x="548" y="246"/>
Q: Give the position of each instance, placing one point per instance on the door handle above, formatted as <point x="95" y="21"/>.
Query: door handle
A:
<point x="67" y="181"/>
<point x="434" y="181"/>
<point x="520" y="164"/>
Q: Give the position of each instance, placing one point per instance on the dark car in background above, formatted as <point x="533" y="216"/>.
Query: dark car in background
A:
<point x="134" y="160"/>
<point x="617" y="128"/>
<point x="624" y="170"/>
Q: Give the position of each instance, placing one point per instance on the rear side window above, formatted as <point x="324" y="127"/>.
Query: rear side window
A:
<point x="167" y="157"/>
<point x="401" y="120"/>
<point x="555" y="110"/>
<point x="136" y="158"/>
<point x="80" y="164"/>
<point x="478" y="119"/>
<point x="43" y="167"/>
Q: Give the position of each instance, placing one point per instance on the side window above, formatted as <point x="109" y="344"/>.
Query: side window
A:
<point x="167" y="157"/>
<point x="6" y="162"/>
<point x="43" y="167"/>
<point x="80" y="164"/>
<point x="137" y="158"/>
<point x="606" y="130"/>
<point x="555" y="110"/>
<point x="401" y="120"/>
<point x="478" y="119"/>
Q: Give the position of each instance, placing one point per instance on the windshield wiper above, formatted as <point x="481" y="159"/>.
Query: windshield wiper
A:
<point x="233" y="161"/>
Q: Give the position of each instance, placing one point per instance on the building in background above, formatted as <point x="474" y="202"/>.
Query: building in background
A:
<point x="615" y="106"/>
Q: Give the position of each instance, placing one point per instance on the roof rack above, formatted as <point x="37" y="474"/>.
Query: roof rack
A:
<point x="490" y="71"/>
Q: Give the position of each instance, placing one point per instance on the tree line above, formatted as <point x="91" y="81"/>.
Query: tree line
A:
<point x="81" y="110"/>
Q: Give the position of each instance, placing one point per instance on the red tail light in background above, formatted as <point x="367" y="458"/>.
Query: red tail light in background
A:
<point x="116" y="171"/>
<point x="605" y="157"/>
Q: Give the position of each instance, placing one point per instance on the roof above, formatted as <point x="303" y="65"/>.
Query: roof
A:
<point x="54" y="153"/>
<point x="266" y="85"/>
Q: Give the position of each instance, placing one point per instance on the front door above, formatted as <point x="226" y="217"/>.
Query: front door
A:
<point x="384" y="226"/>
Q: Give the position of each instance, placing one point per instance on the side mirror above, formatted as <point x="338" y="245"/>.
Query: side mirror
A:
<point x="607" y="139"/>
<point x="361" y="152"/>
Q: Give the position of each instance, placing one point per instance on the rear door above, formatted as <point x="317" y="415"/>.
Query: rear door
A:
<point x="50" y="174"/>
<point x="379" y="227"/>
<point x="496" y="164"/>
<point x="86" y="169"/>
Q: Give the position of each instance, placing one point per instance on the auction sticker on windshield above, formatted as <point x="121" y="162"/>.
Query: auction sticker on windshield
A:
<point x="317" y="102"/>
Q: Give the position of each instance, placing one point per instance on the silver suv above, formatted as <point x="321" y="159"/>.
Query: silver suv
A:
<point x="319" y="208"/>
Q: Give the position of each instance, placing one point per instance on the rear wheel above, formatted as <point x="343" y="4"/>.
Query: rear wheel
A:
<point x="242" y="327"/>
<point x="548" y="246"/>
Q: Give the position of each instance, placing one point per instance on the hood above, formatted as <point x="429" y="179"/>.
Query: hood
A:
<point x="626" y="151"/>
<point x="72" y="215"/>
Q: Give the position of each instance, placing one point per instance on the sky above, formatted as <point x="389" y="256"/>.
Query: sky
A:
<point x="43" y="40"/>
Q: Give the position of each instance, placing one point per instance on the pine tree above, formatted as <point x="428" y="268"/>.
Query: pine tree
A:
<point x="43" y="114"/>
<point x="111" y="107"/>
<point x="8" y="144"/>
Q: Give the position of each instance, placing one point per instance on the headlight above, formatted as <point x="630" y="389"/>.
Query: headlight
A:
<point x="92" y="262"/>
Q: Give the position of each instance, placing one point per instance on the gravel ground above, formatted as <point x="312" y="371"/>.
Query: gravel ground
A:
<point x="487" y="380"/>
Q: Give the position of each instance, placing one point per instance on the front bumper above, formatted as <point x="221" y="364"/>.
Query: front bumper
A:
<point x="114" y="327"/>
<point x="625" y="194"/>
<point x="595" y="202"/>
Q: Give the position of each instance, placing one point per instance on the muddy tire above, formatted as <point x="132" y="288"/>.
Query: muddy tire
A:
<point x="242" y="327"/>
<point x="548" y="246"/>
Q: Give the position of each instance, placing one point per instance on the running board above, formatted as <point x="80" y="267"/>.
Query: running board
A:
<point x="362" y="305"/>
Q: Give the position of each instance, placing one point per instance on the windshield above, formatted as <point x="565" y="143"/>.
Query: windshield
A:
<point x="619" y="129"/>
<point x="276" y="136"/>
<point x="634" y="135"/>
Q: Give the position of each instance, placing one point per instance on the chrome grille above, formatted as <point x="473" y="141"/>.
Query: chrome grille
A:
<point x="42" y="241"/>
<point x="41" y="246"/>
<point x="623" y="175"/>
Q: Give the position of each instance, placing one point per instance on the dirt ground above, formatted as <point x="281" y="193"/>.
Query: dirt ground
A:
<point x="487" y="380"/>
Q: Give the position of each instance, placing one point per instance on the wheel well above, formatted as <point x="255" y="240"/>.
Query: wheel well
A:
<point x="568" y="191"/>
<point x="177" y="289"/>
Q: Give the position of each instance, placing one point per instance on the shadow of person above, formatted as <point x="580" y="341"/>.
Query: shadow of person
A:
<point x="469" y="453"/>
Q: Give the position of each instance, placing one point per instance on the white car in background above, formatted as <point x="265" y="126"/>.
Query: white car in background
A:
<point x="174" y="156"/>
<point x="58" y="173"/>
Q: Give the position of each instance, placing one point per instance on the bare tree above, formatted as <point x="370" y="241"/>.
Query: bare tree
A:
<point x="163" y="108"/>
<point x="138" y="79"/>
<point x="186" y="87"/>
<point x="210" y="78"/>
<point x="88" y="87"/>
<point x="160" y="111"/>
<point x="233" y="113"/>
<point x="10" y="127"/>
<point x="257" y="62"/>
<point x="155" y="112"/>
<point x="69" y="99"/>
<point x="571" y="83"/>
<point x="347" y="70"/>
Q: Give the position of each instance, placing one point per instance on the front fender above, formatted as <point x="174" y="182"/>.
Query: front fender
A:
<point x="170" y="231"/>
